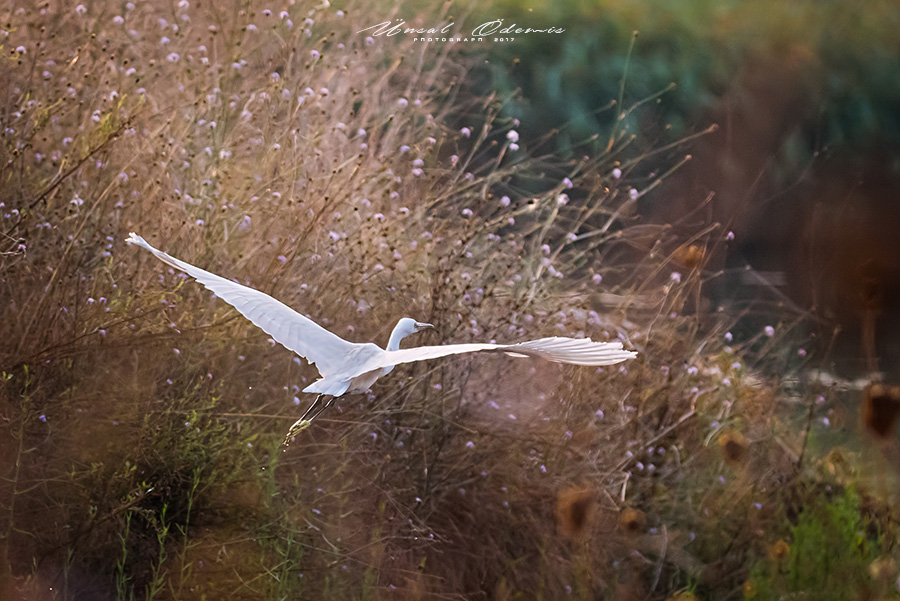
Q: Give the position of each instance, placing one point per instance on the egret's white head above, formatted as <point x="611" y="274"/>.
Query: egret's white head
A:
<point x="404" y="328"/>
<point x="408" y="326"/>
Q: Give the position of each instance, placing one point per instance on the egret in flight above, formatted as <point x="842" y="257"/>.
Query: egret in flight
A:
<point x="352" y="367"/>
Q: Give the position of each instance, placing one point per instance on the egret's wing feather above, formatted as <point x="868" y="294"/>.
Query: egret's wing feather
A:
<point x="577" y="351"/>
<point x="296" y="332"/>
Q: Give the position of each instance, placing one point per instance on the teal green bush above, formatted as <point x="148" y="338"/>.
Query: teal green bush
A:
<point x="849" y="52"/>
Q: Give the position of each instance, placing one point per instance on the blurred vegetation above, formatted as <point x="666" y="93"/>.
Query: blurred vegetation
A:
<point x="848" y="50"/>
<point x="833" y="555"/>
<point x="141" y="418"/>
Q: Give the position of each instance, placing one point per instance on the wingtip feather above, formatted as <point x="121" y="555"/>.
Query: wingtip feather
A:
<point x="135" y="239"/>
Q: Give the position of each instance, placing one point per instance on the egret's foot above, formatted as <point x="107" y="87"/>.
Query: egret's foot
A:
<point x="315" y="409"/>
<point x="299" y="426"/>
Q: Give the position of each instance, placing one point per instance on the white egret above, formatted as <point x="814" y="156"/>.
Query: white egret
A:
<point x="350" y="367"/>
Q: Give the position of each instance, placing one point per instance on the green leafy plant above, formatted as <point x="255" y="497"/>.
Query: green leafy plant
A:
<point x="831" y="550"/>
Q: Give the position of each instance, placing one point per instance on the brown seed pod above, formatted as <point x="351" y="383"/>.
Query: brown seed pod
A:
<point x="575" y="510"/>
<point x="880" y="409"/>
<point x="632" y="520"/>
<point x="690" y="257"/>
<point x="779" y="550"/>
<point x="734" y="446"/>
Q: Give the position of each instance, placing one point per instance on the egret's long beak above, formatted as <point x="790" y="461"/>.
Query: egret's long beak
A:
<point x="422" y="326"/>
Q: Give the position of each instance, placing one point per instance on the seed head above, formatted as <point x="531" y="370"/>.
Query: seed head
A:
<point x="574" y="510"/>
<point x="632" y="521"/>
<point x="880" y="410"/>
<point x="734" y="446"/>
<point x="779" y="550"/>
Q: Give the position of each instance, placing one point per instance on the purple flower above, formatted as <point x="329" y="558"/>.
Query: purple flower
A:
<point x="466" y="132"/>
<point x="567" y="183"/>
<point x="512" y="135"/>
<point x="770" y="331"/>
<point x="617" y="173"/>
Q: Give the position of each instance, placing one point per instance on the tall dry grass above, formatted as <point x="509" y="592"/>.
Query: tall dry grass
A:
<point x="359" y="180"/>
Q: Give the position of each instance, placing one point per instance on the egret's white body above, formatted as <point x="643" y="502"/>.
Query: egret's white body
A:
<point x="350" y="367"/>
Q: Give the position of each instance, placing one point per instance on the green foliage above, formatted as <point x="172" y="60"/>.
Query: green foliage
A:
<point x="832" y="547"/>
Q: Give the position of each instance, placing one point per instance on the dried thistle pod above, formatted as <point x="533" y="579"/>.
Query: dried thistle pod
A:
<point x="880" y="409"/>
<point x="779" y="550"/>
<point x="575" y="510"/>
<point x="838" y="463"/>
<point x="734" y="446"/>
<point x="691" y="256"/>
<point x="632" y="520"/>
<point x="883" y="569"/>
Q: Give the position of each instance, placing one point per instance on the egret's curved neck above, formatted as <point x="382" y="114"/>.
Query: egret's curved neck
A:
<point x="396" y="336"/>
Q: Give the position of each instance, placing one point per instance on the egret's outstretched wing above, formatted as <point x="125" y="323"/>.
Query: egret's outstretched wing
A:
<point x="298" y="333"/>
<point x="577" y="351"/>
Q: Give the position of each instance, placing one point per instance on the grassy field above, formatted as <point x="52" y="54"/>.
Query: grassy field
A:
<point x="359" y="179"/>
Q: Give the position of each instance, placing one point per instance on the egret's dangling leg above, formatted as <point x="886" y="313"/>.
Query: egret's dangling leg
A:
<point x="315" y="409"/>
